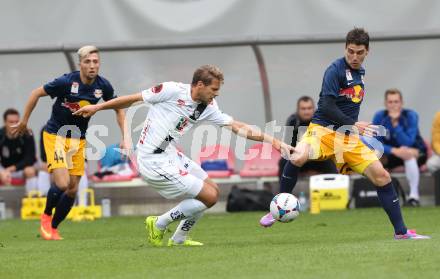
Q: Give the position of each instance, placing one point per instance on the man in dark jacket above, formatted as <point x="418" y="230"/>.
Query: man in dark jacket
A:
<point x="402" y="144"/>
<point x="17" y="154"/>
<point x="298" y="121"/>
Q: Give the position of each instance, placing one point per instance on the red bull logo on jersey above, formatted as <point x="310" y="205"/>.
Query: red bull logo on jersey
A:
<point x="74" y="106"/>
<point x="355" y="93"/>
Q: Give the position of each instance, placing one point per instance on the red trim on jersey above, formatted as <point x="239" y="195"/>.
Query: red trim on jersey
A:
<point x="156" y="89"/>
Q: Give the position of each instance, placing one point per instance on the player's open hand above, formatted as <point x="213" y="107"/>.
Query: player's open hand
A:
<point x="371" y="130"/>
<point x="86" y="111"/>
<point x="125" y="148"/>
<point x="19" y="129"/>
<point x="366" y="128"/>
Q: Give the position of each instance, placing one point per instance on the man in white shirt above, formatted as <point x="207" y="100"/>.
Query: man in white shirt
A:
<point x="176" y="107"/>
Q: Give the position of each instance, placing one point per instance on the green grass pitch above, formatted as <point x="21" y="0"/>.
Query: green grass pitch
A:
<point x="349" y="244"/>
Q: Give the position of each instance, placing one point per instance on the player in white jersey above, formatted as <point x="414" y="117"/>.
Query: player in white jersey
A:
<point x="176" y="107"/>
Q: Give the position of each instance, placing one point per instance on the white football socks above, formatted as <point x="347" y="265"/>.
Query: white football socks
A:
<point x="184" y="210"/>
<point x="184" y="227"/>
<point x="31" y="184"/>
<point x="413" y="176"/>
<point x="82" y="195"/>
<point x="43" y="182"/>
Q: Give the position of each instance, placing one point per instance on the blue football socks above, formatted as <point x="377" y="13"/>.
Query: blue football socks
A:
<point x="62" y="209"/>
<point x="390" y="202"/>
<point x="288" y="178"/>
<point x="53" y="196"/>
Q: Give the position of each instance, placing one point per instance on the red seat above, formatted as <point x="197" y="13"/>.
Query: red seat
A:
<point x="112" y="178"/>
<point x="118" y="177"/>
<point x="217" y="152"/>
<point x="261" y="159"/>
<point x="18" y="181"/>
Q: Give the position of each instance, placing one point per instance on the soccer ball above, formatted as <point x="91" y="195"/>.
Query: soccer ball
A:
<point x="284" y="207"/>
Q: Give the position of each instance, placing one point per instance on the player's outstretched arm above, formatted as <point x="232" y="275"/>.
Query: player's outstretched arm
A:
<point x="117" y="103"/>
<point x="244" y="130"/>
<point x="125" y="144"/>
<point x="21" y="127"/>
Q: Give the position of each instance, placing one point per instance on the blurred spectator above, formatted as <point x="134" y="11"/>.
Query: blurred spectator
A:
<point x="434" y="161"/>
<point x="114" y="162"/>
<point x="305" y="108"/>
<point x="44" y="180"/>
<point x="17" y="154"/>
<point x="403" y="144"/>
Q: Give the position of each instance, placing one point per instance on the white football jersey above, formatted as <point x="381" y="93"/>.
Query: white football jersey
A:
<point x="172" y="114"/>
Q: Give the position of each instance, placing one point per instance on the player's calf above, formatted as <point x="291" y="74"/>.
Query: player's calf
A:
<point x="387" y="195"/>
<point x="209" y="194"/>
<point x="61" y="178"/>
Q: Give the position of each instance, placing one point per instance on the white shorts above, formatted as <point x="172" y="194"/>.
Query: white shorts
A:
<point x="172" y="174"/>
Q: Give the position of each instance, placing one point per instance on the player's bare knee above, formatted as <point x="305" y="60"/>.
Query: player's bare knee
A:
<point x="382" y="178"/>
<point x="385" y="177"/>
<point x="215" y="187"/>
<point x="63" y="185"/>
<point x="211" y="196"/>
<point x="62" y="182"/>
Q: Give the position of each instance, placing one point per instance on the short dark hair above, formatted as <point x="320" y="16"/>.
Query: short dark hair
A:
<point x="358" y="36"/>
<point x="393" y="91"/>
<point x="304" y="99"/>
<point x="206" y="74"/>
<point x="10" y="111"/>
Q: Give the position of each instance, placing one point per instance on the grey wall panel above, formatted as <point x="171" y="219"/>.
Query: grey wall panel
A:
<point x="20" y="74"/>
<point x="49" y="21"/>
